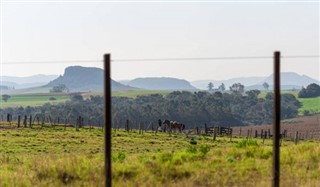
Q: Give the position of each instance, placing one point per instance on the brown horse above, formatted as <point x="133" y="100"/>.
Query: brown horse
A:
<point x="173" y="125"/>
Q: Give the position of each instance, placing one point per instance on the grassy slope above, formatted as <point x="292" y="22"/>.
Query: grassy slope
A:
<point x="54" y="157"/>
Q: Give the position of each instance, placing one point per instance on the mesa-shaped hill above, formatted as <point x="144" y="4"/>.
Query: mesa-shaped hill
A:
<point x="83" y="79"/>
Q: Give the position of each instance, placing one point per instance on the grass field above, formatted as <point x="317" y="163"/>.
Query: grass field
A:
<point x="57" y="157"/>
<point x="135" y="93"/>
<point x="309" y="104"/>
<point x="33" y="99"/>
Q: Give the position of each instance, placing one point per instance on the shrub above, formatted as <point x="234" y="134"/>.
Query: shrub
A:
<point x="52" y="98"/>
<point x="193" y="142"/>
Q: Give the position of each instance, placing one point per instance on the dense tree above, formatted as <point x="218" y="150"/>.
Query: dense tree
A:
<point x="312" y="90"/>
<point x="192" y="109"/>
<point x="237" y="88"/>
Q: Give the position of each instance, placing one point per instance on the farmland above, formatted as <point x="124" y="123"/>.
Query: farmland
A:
<point x="33" y="99"/>
<point x="53" y="156"/>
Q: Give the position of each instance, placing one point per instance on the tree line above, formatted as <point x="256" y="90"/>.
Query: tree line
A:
<point x="197" y="108"/>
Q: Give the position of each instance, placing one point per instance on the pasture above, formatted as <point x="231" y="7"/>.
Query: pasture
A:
<point x="53" y="156"/>
<point x="33" y="99"/>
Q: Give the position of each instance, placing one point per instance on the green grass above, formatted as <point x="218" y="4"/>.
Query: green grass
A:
<point x="308" y="104"/>
<point x="135" y="93"/>
<point x="57" y="157"/>
<point x="33" y="100"/>
<point x="38" y="99"/>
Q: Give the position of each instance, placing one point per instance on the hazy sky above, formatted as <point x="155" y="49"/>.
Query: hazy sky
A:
<point x="42" y="31"/>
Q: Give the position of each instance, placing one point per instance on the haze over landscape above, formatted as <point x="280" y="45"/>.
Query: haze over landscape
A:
<point x="48" y="33"/>
<point x="192" y="99"/>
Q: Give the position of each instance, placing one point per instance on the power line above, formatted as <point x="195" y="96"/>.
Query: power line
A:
<point x="53" y="62"/>
<point x="155" y="59"/>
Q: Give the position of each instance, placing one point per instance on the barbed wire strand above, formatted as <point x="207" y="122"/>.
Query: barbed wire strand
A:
<point x="156" y="59"/>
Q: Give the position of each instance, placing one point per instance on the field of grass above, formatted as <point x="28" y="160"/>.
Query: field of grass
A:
<point x="135" y="93"/>
<point x="56" y="157"/>
<point x="309" y="104"/>
<point x="33" y="99"/>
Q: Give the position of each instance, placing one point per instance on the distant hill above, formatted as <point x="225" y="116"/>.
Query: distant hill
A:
<point x="289" y="80"/>
<point x="81" y="79"/>
<point x="161" y="83"/>
<point x="246" y="81"/>
<point x="26" y="82"/>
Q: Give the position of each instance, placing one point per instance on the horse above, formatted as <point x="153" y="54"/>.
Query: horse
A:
<point x="171" y="125"/>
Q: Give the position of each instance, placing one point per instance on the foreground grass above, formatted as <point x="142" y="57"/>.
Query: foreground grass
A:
<point x="57" y="157"/>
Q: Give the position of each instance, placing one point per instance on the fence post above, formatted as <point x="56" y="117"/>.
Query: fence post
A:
<point x="30" y="121"/>
<point x="215" y="133"/>
<point x="25" y="121"/>
<point x="296" y="138"/>
<point x="19" y="118"/>
<point x="107" y="119"/>
<point x="240" y="132"/>
<point x="276" y="122"/>
<point x="205" y="129"/>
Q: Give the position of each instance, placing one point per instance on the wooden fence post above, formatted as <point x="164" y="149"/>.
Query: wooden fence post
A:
<point x="296" y="138"/>
<point x="215" y="133"/>
<point x="205" y="129"/>
<point x="19" y="118"/>
<point x="30" y="121"/>
<point x="25" y="121"/>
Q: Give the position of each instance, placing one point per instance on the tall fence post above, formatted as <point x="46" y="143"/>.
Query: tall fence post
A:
<point x="107" y="119"/>
<point x="276" y="122"/>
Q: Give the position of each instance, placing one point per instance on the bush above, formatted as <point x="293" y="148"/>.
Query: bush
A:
<point x="52" y="98"/>
<point x="312" y="90"/>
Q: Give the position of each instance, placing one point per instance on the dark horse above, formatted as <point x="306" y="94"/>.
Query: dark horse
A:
<point x="173" y="125"/>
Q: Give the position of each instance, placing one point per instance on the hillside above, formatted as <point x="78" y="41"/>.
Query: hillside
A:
<point x="161" y="83"/>
<point x="26" y="82"/>
<point x="81" y="79"/>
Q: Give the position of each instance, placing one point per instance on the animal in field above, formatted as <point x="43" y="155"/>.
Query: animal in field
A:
<point x="173" y="126"/>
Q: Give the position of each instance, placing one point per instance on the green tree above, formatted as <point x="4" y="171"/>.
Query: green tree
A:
<point x="222" y="87"/>
<point x="237" y="88"/>
<point x="312" y="90"/>
<point x="210" y="86"/>
<point x="5" y="97"/>
<point x="265" y="86"/>
<point x="59" y="89"/>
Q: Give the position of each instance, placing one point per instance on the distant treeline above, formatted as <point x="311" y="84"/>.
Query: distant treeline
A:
<point x="198" y="108"/>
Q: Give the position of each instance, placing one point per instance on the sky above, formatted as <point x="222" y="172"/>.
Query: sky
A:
<point x="44" y="32"/>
